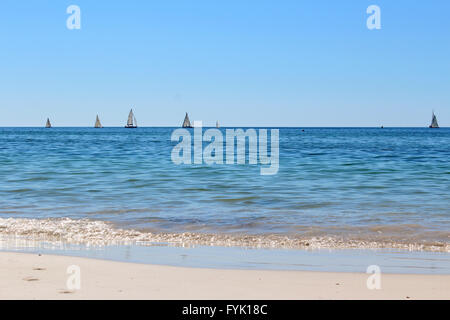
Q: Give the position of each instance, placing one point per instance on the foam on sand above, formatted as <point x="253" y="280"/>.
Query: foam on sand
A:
<point x="100" y="233"/>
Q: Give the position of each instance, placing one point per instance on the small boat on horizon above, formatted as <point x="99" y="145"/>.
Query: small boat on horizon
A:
<point x="131" y="123"/>
<point x="434" y="123"/>
<point x="186" y="122"/>
<point x="48" y="124"/>
<point x="98" y="123"/>
<point x="217" y="125"/>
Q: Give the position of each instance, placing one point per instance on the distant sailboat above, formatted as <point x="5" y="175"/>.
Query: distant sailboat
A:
<point x="131" y="123"/>
<point x="217" y="124"/>
<point x="97" y="123"/>
<point x="48" y="124"/>
<point x="187" y="122"/>
<point x="434" y="123"/>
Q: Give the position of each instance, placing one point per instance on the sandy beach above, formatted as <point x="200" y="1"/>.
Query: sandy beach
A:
<point x="32" y="276"/>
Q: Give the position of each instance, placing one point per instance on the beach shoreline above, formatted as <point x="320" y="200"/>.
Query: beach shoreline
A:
<point x="101" y="233"/>
<point x="42" y="276"/>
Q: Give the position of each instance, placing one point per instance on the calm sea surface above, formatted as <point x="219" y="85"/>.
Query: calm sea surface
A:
<point x="362" y="183"/>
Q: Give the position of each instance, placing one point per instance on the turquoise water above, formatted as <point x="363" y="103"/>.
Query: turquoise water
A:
<point x="365" y="184"/>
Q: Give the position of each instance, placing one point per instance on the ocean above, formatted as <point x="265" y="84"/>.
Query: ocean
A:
<point x="335" y="188"/>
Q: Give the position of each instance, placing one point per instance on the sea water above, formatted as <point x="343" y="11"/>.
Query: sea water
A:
<point x="335" y="188"/>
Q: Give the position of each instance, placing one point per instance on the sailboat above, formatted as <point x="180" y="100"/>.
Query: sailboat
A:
<point x="97" y="123"/>
<point x="48" y="124"/>
<point x="131" y="123"/>
<point x="217" y="125"/>
<point x="434" y="123"/>
<point x="187" y="122"/>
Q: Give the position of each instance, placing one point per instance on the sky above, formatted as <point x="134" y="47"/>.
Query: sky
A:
<point x="241" y="62"/>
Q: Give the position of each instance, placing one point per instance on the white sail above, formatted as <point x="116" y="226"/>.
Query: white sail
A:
<point x="98" y="123"/>
<point x="434" y="123"/>
<point x="187" y="122"/>
<point x="217" y="124"/>
<point x="130" y="118"/>
<point x="48" y="124"/>
<point x="131" y="122"/>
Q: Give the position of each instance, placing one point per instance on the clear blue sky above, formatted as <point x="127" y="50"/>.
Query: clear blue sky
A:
<point x="242" y="62"/>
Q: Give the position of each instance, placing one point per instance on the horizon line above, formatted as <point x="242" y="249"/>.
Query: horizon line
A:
<point x="167" y="126"/>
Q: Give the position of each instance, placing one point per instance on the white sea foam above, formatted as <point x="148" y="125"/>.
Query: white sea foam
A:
<point x="100" y="233"/>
